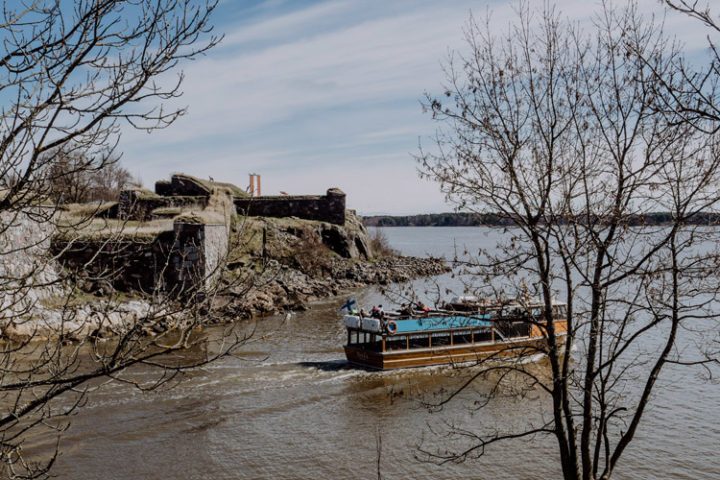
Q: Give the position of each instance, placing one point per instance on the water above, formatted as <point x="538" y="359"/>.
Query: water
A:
<point x="291" y="408"/>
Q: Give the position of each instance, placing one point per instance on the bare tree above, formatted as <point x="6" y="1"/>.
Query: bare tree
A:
<point x="76" y="178"/>
<point x="73" y="73"/>
<point x="107" y="184"/>
<point x="568" y="132"/>
<point x="697" y="102"/>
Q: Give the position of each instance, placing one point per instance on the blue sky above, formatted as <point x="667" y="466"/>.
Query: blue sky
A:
<point x="319" y="94"/>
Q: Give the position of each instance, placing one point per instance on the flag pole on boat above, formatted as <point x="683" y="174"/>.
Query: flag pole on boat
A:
<point x="348" y="305"/>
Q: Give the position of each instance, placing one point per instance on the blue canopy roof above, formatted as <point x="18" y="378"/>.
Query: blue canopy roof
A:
<point x="455" y="322"/>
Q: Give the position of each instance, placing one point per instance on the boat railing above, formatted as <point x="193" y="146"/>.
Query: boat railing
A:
<point x="377" y="337"/>
<point x="427" y="339"/>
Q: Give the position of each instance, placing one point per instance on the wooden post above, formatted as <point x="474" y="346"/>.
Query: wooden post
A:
<point x="383" y="343"/>
<point x="472" y="336"/>
<point x="429" y="340"/>
<point x="407" y="342"/>
<point x="349" y="336"/>
<point x="452" y="338"/>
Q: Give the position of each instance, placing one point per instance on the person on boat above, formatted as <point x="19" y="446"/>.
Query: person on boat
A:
<point x="377" y="312"/>
<point x="363" y="313"/>
<point x="423" y="308"/>
<point x="405" y="309"/>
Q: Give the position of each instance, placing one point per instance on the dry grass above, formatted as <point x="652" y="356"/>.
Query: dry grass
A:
<point x="99" y="228"/>
<point x="380" y="245"/>
<point x="87" y="209"/>
<point x="211" y="185"/>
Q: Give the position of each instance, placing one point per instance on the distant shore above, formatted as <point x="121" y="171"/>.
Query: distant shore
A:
<point x="464" y="219"/>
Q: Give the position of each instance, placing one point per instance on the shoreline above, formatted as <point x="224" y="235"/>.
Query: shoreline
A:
<point x="289" y="290"/>
<point x="466" y="219"/>
<point x="292" y="289"/>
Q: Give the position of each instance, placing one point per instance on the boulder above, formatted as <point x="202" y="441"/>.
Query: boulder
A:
<point x="349" y="240"/>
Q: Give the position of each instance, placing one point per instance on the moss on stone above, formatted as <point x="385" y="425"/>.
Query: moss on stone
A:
<point x="167" y="212"/>
<point x="145" y="194"/>
<point x="88" y="210"/>
<point x="110" y="229"/>
<point x="209" y="185"/>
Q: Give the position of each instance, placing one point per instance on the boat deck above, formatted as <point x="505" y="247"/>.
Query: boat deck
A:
<point x="435" y="324"/>
<point x="443" y="339"/>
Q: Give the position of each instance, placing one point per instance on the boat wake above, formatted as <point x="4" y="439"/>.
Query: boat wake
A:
<point x="332" y="366"/>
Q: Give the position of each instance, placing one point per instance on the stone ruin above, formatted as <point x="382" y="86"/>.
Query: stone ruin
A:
<point x="185" y="191"/>
<point x="191" y="236"/>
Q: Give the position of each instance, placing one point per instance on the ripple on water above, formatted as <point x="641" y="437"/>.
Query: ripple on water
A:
<point x="301" y="412"/>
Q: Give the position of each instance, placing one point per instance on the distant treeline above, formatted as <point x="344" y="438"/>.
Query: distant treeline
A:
<point x="439" y="220"/>
<point x="500" y="220"/>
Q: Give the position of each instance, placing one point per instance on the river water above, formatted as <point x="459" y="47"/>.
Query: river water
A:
<point x="290" y="408"/>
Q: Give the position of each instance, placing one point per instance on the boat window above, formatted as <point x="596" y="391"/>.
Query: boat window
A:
<point x="396" y="342"/>
<point x="462" y="337"/>
<point x="513" y="329"/>
<point x="418" y="341"/>
<point x="441" y="339"/>
<point x="370" y="341"/>
<point x="484" y="335"/>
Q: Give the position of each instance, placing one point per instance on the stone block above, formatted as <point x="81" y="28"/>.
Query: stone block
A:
<point x="323" y="208"/>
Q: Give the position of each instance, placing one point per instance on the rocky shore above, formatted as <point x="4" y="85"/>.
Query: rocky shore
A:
<point x="100" y="318"/>
<point x="292" y="289"/>
<point x="281" y="289"/>
<point x="272" y="265"/>
<point x="301" y="261"/>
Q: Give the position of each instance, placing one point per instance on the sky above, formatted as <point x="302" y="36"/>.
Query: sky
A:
<point x="320" y="94"/>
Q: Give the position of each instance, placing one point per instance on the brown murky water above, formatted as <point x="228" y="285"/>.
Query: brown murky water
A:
<point x="303" y="413"/>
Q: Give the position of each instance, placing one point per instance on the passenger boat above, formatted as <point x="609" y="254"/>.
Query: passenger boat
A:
<point x="463" y="331"/>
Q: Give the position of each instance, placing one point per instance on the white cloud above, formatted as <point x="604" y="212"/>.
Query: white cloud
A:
<point x="290" y="25"/>
<point x="326" y="95"/>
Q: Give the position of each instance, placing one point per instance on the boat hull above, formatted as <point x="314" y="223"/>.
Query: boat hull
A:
<point x="445" y="355"/>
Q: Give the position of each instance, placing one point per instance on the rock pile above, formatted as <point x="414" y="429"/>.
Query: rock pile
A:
<point x="303" y="261"/>
<point x="292" y="289"/>
<point x="289" y="262"/>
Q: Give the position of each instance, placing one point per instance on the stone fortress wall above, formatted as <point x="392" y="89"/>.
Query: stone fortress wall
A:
<point x="187" y="256"/>
<point x="183" y="191"/>
<point x="143" y="206"/>
<point x="193" y="227"/>
<point x="27" y="273"/>
<point x="322" y="208"/>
